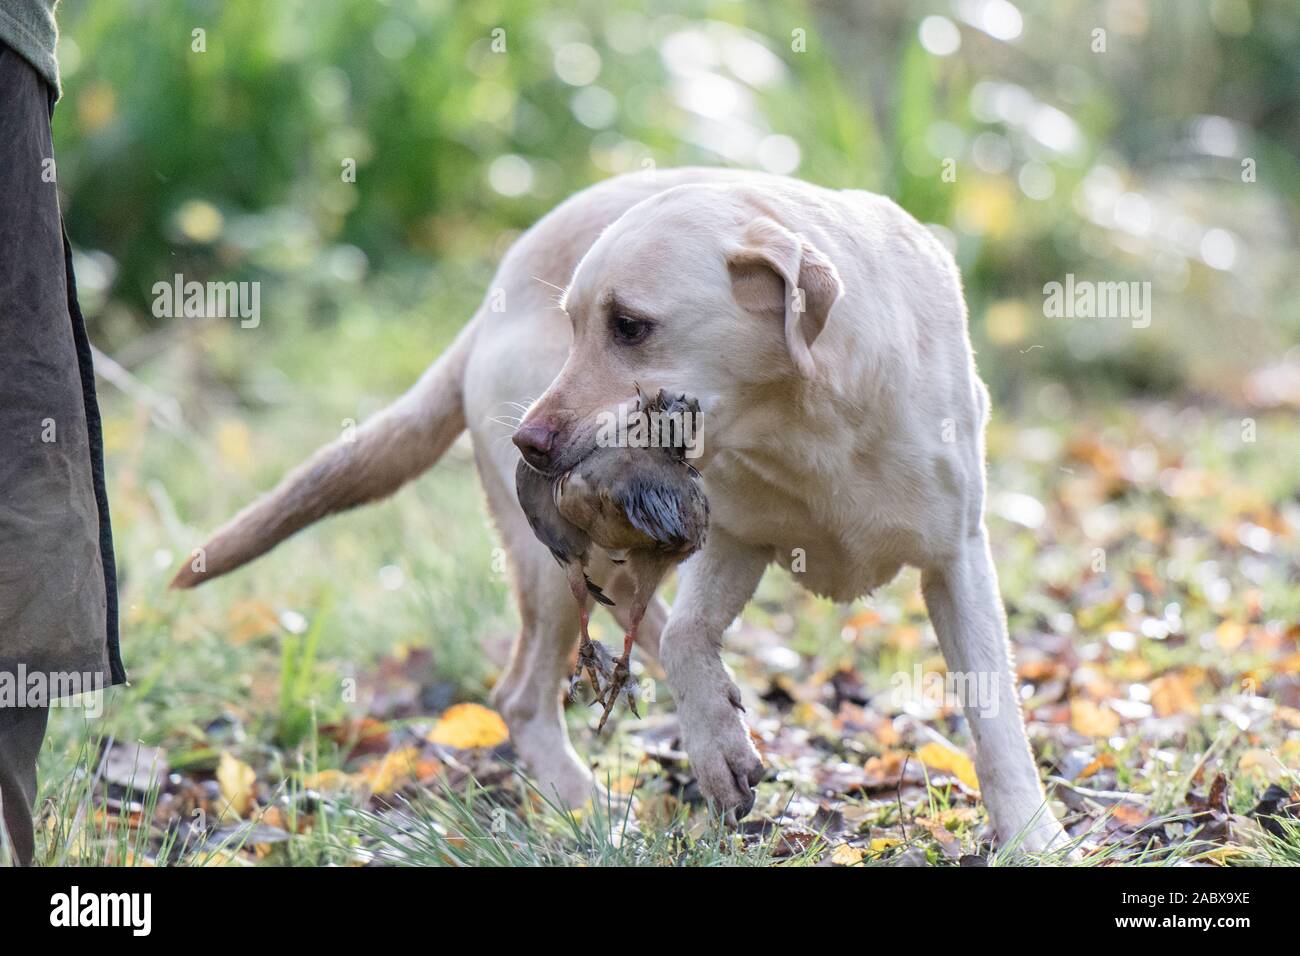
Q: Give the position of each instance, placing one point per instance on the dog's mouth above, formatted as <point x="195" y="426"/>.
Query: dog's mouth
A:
<point x="652" y="420"/>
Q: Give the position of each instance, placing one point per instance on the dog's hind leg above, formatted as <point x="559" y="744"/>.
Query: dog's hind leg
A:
<point x="966" y="611"/>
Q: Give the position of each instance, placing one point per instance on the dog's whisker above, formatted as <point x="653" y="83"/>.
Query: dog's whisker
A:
<point x="557" y="288"/>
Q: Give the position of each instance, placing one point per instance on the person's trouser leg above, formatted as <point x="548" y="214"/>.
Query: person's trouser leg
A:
<point x="22" y="730"/>
<point x="58" y="620"/>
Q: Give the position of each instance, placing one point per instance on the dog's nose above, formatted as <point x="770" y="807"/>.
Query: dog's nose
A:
<point x="535" y="440"/>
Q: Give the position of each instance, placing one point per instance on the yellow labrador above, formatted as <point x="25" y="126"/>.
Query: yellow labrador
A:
<point x="824" y="333"/>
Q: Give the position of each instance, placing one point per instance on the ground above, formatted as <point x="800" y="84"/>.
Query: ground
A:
<point x="304" y="710"/>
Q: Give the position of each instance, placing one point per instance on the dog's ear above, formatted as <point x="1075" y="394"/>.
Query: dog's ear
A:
<point x="777" y="272"/>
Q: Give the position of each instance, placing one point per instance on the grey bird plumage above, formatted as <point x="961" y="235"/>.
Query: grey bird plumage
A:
<point x="642" y="505"/>
<point x="567" y="542"/>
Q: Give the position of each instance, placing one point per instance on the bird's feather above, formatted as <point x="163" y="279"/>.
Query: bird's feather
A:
<point x="566" y="541"/>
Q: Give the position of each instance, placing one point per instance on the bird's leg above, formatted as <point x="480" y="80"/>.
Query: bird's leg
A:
<point x="592" y="657"/>
<point x="588" y="657"/>
<point x="621" y="678"/>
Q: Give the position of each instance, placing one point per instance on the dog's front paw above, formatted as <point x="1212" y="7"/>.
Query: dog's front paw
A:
<point x="722" y="756"/>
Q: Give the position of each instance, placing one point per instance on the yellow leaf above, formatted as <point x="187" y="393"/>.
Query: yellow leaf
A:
<point x="1229" y="635"/>
<point x="329" y="781"/>
<point x="946" y="760"/>
<point x="392" y="771"/>
<point x="846" y="855"/>
<point x="236" y="780"/>
<point x="1093" y="720"/>
<point x="881" y="844"/>
<point x="469" y="725"/>
<point x="1222" y="855"/>
<point x="1172" y="694"/>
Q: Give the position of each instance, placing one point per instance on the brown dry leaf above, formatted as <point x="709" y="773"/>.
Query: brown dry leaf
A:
<point x="1130" y="815"/>
<point x="1172" y="694"/>
<point x="1037" y="671"/>
<point x="465" y="726"/>
<point x="946" y="760"/>
<point x="1104" y="762"/>
<point x="1092" y="720"/>
<point x="791" y="841"/>
<point x="885" y="769"/>
<point x="237" y="781"/>
<point x="948" y="841"/>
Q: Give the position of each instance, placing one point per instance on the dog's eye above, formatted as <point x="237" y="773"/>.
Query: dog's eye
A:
<point x="629" y="331"/>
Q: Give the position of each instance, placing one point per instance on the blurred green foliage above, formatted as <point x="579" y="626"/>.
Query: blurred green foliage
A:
<point x="214" y="139"/>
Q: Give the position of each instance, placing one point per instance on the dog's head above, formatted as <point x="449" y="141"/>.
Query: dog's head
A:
<point x="698" y="290"/>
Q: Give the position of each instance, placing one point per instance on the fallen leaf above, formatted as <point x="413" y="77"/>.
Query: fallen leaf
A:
<point x="392" y="771"/>
<point x="946" y="760"/>
<point x="846" y="855"/>
<point x="465" y="726"/>
<point x="1229" y="635"/>
<point x="1091" y="719"/>
<point x="1104" y="762"/>
<point x="236" y="780"/>
<point x="1129" y="815"/>
<point x="1172" y="694"/>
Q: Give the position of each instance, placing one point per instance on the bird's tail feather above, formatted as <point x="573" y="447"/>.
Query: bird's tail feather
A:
<point x="594" y="590"/>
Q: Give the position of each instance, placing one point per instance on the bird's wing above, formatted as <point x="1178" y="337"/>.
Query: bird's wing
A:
<point x="566" y="541"/>
<point x="655" y="508"/>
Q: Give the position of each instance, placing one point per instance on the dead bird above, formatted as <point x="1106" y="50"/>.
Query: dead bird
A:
<point x="570" y="545"/>
<point x="643" y="505"/>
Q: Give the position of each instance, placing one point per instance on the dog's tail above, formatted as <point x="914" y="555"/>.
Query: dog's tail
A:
<point x="394" y="446"/>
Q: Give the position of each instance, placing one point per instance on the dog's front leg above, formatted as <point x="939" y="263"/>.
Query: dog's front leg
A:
<point x="713" y="587"/>
<point x="966" y="610"/>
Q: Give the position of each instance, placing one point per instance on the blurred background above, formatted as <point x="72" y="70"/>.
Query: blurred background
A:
<point x="1105" y="138"/>
<point x="1116" y="140"/>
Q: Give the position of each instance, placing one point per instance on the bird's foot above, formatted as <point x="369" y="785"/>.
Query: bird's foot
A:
<point x="621" y="682"/>
<point x="594" y="659"/>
